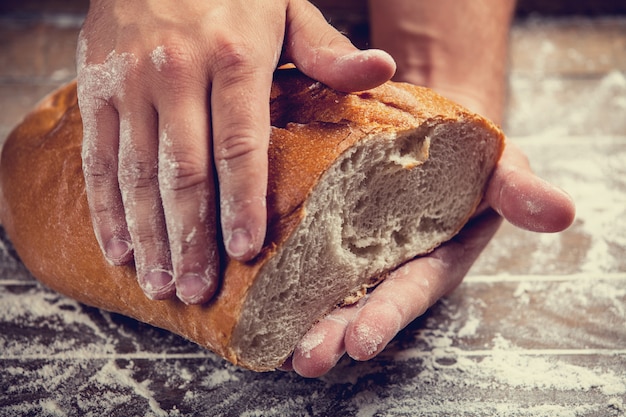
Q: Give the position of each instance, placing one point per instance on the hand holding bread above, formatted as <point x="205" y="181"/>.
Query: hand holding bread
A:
<point x="361" y="329"/>
<point x="359" y="183"/>
<point x="174" y="98"/>
<point x="364" y="329"/>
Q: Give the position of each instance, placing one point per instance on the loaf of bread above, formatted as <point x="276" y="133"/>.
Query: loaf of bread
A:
<point x="358" y="184"/>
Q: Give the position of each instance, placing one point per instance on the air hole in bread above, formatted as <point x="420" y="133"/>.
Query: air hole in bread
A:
<point x="412" y="150"/>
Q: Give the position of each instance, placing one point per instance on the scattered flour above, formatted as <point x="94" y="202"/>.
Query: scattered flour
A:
<point x="514" y="368"/>
<point x="98" y="83"/>
<point x="369" y="338"/>
<point x="49" y="312"/>
<point x="470" y="327"/>
<point x="50" y="407"/>
<point x="310" y="341"/>
<point x="506" y="366"/>
<point x="219" y="377"/>
<point x="159" y="57"/>
<point x="111" y="375"/>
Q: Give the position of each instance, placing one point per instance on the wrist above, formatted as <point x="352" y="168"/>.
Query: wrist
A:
<point x="459" y="49"/>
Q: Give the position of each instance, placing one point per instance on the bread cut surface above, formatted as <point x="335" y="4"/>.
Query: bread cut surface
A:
<point x="358" y="184"/>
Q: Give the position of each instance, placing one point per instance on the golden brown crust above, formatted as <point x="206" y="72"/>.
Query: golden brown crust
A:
<point x="45" y="213"/>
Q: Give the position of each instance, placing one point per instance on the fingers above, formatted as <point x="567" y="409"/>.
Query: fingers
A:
<point x="241" y="82"/>
<point x="322" y="347"/>
<point x="167" y="184"/>
<point x="97" y="85"/>
<point x="99" y="155"/>
<point x="120" y="171"/>
<point x="326" y="55"/>
<point x="526" y="200"/>
<point x="186" y="186"/>
<point x="241" y="69"/>
<point x="154" y="185"/>
<point x="139" y="187"/>
<point x="415" y="287"/>
<point x="240" y="114"/>
<point x="514" y="192"/>
<point x="149" y="178"/>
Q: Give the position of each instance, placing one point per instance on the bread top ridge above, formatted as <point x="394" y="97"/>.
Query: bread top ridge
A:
<point x="45" y="213"/>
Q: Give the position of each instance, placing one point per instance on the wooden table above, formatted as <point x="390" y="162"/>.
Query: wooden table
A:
<point x="537" y="329"/>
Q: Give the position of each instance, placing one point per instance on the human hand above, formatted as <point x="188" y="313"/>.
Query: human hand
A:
<point x="174" y="97"/>
<point x="364" y="329"/>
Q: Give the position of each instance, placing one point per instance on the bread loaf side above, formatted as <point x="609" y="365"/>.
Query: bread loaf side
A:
<point x="358" y="184"/>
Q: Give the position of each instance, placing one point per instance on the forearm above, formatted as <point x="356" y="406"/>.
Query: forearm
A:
<point x="458" y="48"/>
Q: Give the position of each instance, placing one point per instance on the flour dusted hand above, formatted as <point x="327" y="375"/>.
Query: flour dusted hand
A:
<point x="172" y="92"/>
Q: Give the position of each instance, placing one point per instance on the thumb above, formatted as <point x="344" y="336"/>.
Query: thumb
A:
<point x="526" y="200"/>
<point x="324" y="54"/>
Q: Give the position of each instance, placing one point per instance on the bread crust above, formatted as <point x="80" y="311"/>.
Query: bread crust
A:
<point x="45" y="213"/>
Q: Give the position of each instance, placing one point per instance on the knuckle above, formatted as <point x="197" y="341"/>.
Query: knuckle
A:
<point x="237" y="145"/>
<point x="181" y="171"/>
<point x="178" y="66"/>
<point x="334" y="39"/>
<point x="98" y="168"/>
<point x="136" y="171"/>
<point x="232" y="56"/>
<point x="177" y="59"/>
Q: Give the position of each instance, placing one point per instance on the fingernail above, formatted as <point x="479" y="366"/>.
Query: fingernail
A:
<point x="157" y="284"/>
<point x="118" y="251"/>
<point x="239" y="243"/>
<point x="192" y="288"/>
